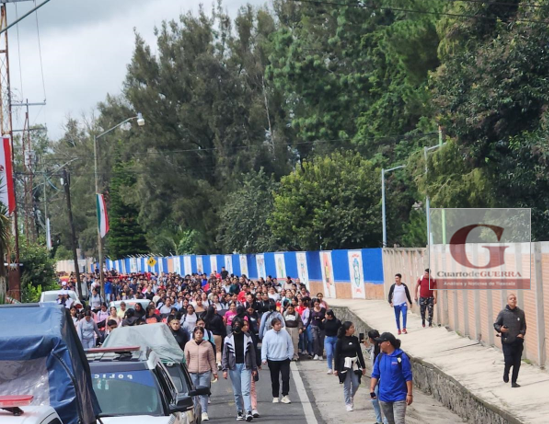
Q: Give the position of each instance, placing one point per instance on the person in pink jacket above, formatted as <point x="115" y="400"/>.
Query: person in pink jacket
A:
<point x="200" y="359"/>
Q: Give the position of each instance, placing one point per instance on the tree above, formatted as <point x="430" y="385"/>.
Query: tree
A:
<point x="126" y="237"/>
<point x="243" y="227"/>
<point x="329" y="203"/>
<point x="38" y="270"/>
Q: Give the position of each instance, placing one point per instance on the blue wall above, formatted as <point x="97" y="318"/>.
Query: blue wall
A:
<point x="372" y="263"/>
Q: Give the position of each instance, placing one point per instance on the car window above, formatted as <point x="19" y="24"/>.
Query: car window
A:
<point x="179" y="378"/>
<point x="166" y="382"/>
<point x="127" y="393"/>
<point x="50" y="297"/>
<point x="54" y="421"/>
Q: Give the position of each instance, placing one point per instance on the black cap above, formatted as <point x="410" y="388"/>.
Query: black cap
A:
<point x="386" y="337"/>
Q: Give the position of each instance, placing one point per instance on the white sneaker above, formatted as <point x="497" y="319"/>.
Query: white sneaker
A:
<point x="315" y="358"/>
<point x="330" y="372"/>
<point x="321" y="358"/>
<point x="285" y="399"/>
<point x="349" y="408"/>
<point x="205" y="417"/>
<point x="255" y="413"/>
<point x="275" y="400"/>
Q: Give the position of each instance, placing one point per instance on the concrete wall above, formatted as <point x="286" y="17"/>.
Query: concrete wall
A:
<point x="472" y="312"/>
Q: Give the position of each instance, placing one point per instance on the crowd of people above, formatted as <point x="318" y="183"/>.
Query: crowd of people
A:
<point x="236" y="326"/>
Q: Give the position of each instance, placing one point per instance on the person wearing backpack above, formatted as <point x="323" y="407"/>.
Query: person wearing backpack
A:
<point x="398" y="294"/>
<point x="373" y="349"/>
<point x="267" y="319"/>
<point x="393" y="370"/>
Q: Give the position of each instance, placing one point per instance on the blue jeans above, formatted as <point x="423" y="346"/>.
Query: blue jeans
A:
<point x="377" y="407"/>
<point x="199" y="380"/>
<point x="306" y="341"/>
<point x="404" y="309"/>
<point x="329" y="346"/>
<point x="241" y="380"/>
<point x="350" y="386"/>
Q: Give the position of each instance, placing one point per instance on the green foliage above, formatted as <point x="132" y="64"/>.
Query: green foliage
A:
<point x="331" y="203"/>
<point x="126" y="237"/>
<point x="38" y="270"/>
<point x="243" y="227"/>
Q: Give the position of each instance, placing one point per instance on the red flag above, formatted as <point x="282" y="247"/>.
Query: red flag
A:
<point x="7" y="193"/>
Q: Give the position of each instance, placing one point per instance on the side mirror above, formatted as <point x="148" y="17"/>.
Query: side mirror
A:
<point x="183" y="403"/>
<point x="203" y="390"/>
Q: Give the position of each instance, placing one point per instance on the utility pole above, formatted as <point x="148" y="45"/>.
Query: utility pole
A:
<point x="66" y="184"/>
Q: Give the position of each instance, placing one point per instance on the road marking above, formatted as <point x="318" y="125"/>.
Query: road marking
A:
<point x="303" y="397"/>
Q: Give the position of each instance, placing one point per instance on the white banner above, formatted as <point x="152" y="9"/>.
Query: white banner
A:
<point x="327" y="274"/>
<point x="48" y="234"/>
<point x="244" y="265"/>
<point x="160" y="262"/>
<point x="302" y="270"/>
<point x="261" y="270"/>
<point x="187" y="265"/>
<point x="229" y="264"/>
<point x="199" y="265"/>
<point x="133" y="265"/>
<point x="280" y="264"/>
<point x="356" y="274"/>
<point x="213" y="264"/>
<point x="177" y="265"/>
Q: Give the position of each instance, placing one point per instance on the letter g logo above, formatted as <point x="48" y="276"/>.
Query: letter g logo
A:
<point x="457" y="247"/>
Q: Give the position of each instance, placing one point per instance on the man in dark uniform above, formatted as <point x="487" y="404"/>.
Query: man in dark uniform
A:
<point x="511" y="323"/>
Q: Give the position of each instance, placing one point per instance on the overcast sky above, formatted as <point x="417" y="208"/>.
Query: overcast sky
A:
<point x="86" y="46"/>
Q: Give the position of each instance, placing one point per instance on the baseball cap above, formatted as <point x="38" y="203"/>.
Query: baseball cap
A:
<point x="386" y="337"/>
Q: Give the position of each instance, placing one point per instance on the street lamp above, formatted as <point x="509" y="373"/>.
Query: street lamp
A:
<point x="140" y="122"/>
<point x="384" y="218"/>
<point x="427" y="200"/>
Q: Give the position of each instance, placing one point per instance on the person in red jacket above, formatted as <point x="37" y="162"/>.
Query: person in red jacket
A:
<point x="426" y="287"/>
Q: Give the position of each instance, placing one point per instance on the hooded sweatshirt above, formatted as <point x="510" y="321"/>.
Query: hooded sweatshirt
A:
<point x="392" y="375"/>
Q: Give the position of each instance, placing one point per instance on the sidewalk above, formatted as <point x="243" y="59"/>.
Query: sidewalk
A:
<point x="477" y="369"/>
<point x="327" y="396"/>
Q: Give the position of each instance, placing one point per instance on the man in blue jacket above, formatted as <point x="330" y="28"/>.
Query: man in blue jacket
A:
<point x="393" y="370"/>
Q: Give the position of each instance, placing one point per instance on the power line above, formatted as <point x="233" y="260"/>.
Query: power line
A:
<point x="400" y="9"/>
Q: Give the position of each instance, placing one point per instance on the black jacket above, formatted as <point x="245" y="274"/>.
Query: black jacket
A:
<point x="181" y="338"/>
<point x="392" y="289"/>
<point x="347" y="347"/>
<point x="216" y="326"/>
<point x="514" y="320"/>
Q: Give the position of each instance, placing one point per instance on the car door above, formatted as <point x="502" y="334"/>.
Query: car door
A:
<point x="171" y="395"/>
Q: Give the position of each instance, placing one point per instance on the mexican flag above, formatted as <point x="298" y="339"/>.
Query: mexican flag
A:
<point x="102" y="217"/>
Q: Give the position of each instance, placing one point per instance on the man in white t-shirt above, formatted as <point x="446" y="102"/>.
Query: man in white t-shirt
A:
<point x="398" y="295"/>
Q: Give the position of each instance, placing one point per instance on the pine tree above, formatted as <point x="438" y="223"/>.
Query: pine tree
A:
<point x="126" y="237"/>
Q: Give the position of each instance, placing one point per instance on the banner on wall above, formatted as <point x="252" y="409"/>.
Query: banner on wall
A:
<point x="187" y="265"/>
<point x="133" y="265"/>
<point x="160" y="265"/>
<point x="356" y="274"/>
<point x="244" y="265"/>
<point x="177" y="265"/>
<point x="229" y="264"/>
<point x="327" y="274"/>
<point x="199" y="265"/>
<point x="280" y="264"/>
<point x="261" y="270"/>
<point x="124" y="271"/>
<point x="302" y="270"/>
<point x="213" y="264"/>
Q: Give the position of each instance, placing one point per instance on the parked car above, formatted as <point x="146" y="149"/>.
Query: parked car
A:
<point x="129" y="382"/>
<point x="17" y="410"/>
<point x="51" y="296"/>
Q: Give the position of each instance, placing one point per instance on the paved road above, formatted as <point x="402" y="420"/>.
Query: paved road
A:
<point x="222" y="408"/>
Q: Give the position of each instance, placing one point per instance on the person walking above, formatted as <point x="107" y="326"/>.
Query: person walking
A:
<point x="277" y="350"/>
<point x="294" y="327"/>
<point x="318" y="316"/>
<point x="349" y="362"/>
<point x="331" y="327"/>
<point x="87" y="330"/>
<point x="511" y="324"/>
<point x="246" y="328"/>
<point x="393" y="371"/>
<point x="200" y="359"/>
<point x="398" y="294"/>
<point x="239" y="362"/>
<point x="372" y="347"/>
<point x="215" y="324"/>
<point x="180" y="335"/>
<point x="267" y="319"/>
<point x="426" y="286"/>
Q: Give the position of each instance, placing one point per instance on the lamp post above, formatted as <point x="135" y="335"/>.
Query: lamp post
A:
<point x="140" y="122"/>
<point x="383" y="213"/>
<point x="427" y="200"/>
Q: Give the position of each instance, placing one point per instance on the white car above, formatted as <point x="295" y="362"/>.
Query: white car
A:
<point x="16" y="410"/>
<point x="52" y="296"/>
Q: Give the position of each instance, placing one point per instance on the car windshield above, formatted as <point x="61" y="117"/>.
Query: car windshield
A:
<point x="52" y="297"/>
<point x="178" y="377"/>
<point x="127" y="393"/>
